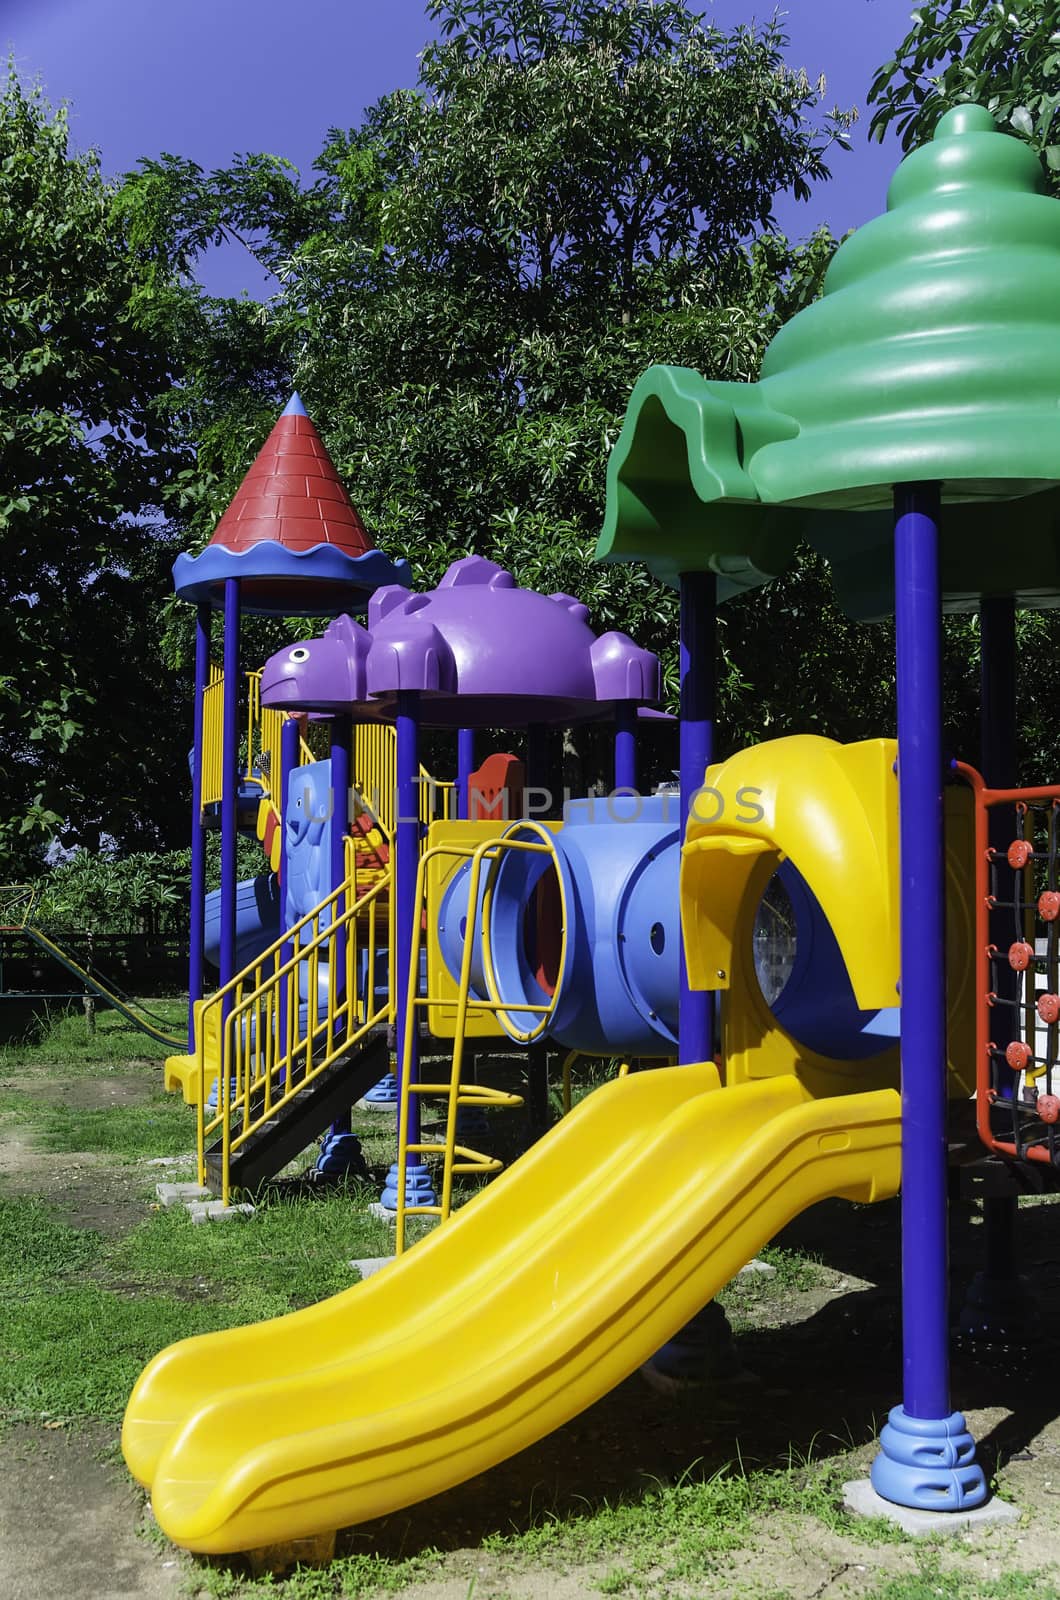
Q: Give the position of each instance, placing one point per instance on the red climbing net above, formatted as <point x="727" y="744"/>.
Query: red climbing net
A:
<point x="1017" y="844"/>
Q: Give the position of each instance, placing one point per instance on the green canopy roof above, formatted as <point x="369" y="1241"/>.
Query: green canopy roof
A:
<point x="932" y="355"/>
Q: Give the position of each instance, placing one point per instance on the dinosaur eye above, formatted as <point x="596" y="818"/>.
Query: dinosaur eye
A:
<point x="300" y="654"/>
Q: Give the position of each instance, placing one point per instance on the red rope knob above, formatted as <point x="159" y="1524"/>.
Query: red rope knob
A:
<point x="1048" y="1107"/>
<point x="1020" y="955"/>
<point x="1019" y="853"/>
<point x="1048" y="1007"/>
<point x="1019" y="1055"/>
<point x="1049" y="905"/>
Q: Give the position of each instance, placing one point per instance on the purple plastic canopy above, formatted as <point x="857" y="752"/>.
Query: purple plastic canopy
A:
<point x="480" y="651"/>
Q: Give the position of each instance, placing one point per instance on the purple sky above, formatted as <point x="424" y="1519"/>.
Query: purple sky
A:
<point x="209" y="78"/>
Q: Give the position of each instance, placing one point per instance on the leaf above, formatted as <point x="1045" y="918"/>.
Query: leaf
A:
<point x="1021" y="119"/>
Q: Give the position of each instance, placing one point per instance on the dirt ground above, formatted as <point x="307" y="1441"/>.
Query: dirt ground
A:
<point x="819" y="1367"/>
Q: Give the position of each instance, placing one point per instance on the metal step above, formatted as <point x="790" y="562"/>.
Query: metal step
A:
<point x="294" y="1126"/>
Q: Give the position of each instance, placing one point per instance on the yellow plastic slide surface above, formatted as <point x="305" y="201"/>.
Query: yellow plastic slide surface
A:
<point x="533" y="1301"/>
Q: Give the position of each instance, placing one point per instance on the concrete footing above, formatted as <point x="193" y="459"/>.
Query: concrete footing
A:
<point x="371" y="1265"/>
<point x="216" y="1211"/>
<point x="861" y="1498"/>
<point x="179" y="1194"/>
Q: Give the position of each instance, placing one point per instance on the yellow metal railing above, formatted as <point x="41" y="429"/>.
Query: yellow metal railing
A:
<point x="458" y="1158"/>
<point x="269" y="1050"/>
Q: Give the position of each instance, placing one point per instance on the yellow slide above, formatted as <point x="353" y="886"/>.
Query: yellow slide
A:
<point x="538" y="1297"/>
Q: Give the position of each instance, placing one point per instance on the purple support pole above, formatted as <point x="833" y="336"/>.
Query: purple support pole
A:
<point x="406" y="861"/>
<point x="465" y="766"/>
<point x="230" y="776"/>
<point x="289" y="753"/>
<point x="698" y="645"/>
<point x="537" y="770"/>
<point x="626" y="745"/>
<point x="203" y="626"/>
<point x="927" y="1456"/>
<point x="341" y="740"/>
<point x="537" y="778"/>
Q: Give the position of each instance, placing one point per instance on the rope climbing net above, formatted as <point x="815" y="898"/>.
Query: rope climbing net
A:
<point x="1018" y="987"/>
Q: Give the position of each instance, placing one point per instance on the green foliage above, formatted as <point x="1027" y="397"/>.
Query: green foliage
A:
<point x="83" y="455"/>
<point x="145" y="892"/>
<point x="1004" y="55"/>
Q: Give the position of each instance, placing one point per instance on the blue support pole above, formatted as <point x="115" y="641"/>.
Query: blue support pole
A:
<point x="341" y="739"/>
<point x="537" y="776"/>
<point x="537" y="768"/>
<point x="203" y="626"/>
<point x="416" y="1178"/>
<point x="698" y="674"/>
<point x="340" y="1154"/>
<point x="230" y="776"/>
<point x="465" y="766"/>
<point x="704" y="1345"/>
<point x="927" y="1456"/>
<point x="626" y="745"/>
<point x="290" y="741"/>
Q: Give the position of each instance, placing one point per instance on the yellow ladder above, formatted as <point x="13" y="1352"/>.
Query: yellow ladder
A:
<point x="458" y="1159"/>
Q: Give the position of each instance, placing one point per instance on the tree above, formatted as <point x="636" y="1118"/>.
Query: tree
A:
<point x="1004" y="55"/>
<point x="84" y="453"/>
<point x="483" y="268"/>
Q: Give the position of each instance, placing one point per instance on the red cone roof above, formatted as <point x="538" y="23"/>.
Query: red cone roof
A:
<point x="293" y="496"/>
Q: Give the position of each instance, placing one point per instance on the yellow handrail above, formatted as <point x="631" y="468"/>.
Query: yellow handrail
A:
<point x="268" y="1055"/>
<point x="458" y="1093"/>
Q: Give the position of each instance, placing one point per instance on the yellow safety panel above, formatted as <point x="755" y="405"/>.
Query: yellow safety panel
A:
<point x="833" y="810"/>
<point x="182" y="1072"/>
<point x="441" y="1018"/>
<point x="541" y="1294"/>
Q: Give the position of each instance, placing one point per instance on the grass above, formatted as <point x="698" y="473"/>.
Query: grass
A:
<point x="80" y="1314"/>
<point x="932" y="1582"/>
<point x="63" y="1036"/>
<point x="160" y="1125"/>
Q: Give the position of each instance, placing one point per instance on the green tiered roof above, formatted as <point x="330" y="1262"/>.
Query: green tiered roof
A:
<point x="933" y="354"/>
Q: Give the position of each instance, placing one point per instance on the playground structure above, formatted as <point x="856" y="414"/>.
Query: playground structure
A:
<point x="892" y="419"/>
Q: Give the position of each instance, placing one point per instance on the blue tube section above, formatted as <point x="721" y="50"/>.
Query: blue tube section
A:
<point x="698" y="644"/>
<point x="619" y="862"/>
<point x="203" y="626"/>
<point x="257" y="919"/>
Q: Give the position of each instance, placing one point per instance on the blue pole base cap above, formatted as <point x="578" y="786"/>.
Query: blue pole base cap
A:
<point x="211" y="1098"/>
<point x="928" y="1464"/>
<point x="419" y="1191"/>
<point x="385" y="1092"/>
<point x="341" y="1156"/>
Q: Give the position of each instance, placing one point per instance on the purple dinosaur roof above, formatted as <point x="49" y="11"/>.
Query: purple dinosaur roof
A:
<point x="510" y="656"/>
